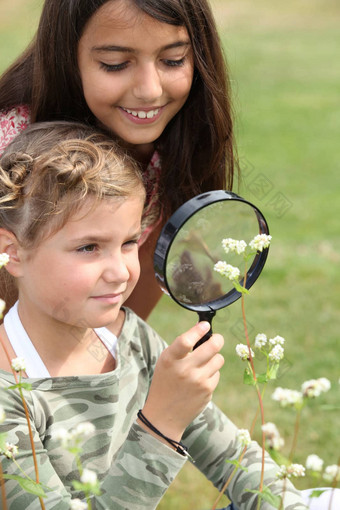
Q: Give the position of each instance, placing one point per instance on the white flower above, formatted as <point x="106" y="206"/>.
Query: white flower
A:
<point x="292" y="470"/>
<point x="230" y="244"/>
<point x="324" y="384"/>
<point x="296" y="470"/>
<point x="332" y="473"/>
<point x="64" y="436"/>
<point x="2" y="414"/>
<point x="88" y="477"/>
<point x="314" y="463"/>
<point x="227" y="270"/>
<point x="2" y="307"/>
<point x="4" y="259"/>
<point x="10" y="450"/>
<point x="314" y="387"/>
<point x="77" y="504"/>
<point x="282" y="472"/>
<point x="242" y="351"/>
<point x="277" y="340"/>
<point x="260" y="242"/>
<point x="83" y="429"/>
<point x="272" y="435"/>
<point x="260" y="340"/>
<point x="277" y="353"/>
<point x="276" y="443"/>
<point x="287" y="397"/>
<point x="243" y="437"/>
<point x="18" y="364"/>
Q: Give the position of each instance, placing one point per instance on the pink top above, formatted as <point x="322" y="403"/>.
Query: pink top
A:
<point x="14" y="120"/>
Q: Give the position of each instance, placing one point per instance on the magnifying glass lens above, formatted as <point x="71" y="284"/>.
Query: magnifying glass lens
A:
<point x="197" y="247"/>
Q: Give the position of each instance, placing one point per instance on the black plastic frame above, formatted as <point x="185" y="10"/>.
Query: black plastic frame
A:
<point x="169" y="232"/>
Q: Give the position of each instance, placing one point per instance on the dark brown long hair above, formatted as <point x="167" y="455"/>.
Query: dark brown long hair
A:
<point x="197" y="146"/>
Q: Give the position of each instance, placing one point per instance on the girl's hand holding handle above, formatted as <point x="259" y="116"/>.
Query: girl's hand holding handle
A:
<point x="184" y="381"/>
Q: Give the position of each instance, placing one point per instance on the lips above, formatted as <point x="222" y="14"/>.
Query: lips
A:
<point x="109" y="298"/>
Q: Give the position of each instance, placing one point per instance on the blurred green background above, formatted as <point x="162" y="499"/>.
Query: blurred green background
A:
<point x="284" y="66"/>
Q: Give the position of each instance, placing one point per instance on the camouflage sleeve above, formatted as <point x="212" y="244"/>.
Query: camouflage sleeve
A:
<point x="143" y="471"/>
<point x="212" y="440"/>
<point x="15" y="430"/>
<point x="140" y="473"/>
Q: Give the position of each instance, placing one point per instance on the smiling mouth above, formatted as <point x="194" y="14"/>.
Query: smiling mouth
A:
<point x="142" y="114"/>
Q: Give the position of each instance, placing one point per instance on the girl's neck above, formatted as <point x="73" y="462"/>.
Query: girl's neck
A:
<point x="142" y="153"/>
<point x="67" y="349"/>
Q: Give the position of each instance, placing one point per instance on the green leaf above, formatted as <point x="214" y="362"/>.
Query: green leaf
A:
<point x="237" y="464"/>
<point x="248" y="377"/>
<point x="272" y="372"/>
<point x="3" y="438"/>
<point x="268" y="496"/>
<point x="239" y="287"/>
<point x="262" y="378"/>
<point x="28" y="485"/>
<point x="317" y="492"/>
<point x="22" y="385"/>
<point x="278" y="457"/>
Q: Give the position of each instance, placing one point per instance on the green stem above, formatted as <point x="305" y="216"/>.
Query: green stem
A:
<point x="3" y="489"/>
<point x="296" y="431"/>
<point x="28" y="421"/>
<point x="224" y="488"/>
<point x="23" y="472"/>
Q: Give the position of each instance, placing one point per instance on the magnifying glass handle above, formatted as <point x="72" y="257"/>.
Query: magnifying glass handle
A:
<point x="205" y="316"/>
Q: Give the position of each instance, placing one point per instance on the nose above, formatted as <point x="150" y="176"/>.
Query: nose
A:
<point x="148" y="84"/>
<point x="116" y="270"/>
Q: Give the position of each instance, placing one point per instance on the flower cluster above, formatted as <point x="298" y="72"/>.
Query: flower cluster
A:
<point x="287" y="398"/>
<point x="332" y="473"/>
<point x="2" y="308"/>
<point x="296" y="470"/>
<point x="10" y="451"/>
<point x="4" y="259"/>
<point x="309" y="389"/>
<point x="260" y="242"/>
<point x="71" y="438"/>
<point x="231" y="272"/>
<point x="18" y="364"/>
<point x="89" y="477"/>
<point x="271" y="348"/>
<point x="242" y="351"/>
<point x="232" y="245"/>
<point x="315" y="387"/>
<point x="314" y="463"/>
<point x="239" y="247"/>
<point x="243" y="437"/>
<point x="272" y="435"/>
<point x="77" y="504"/>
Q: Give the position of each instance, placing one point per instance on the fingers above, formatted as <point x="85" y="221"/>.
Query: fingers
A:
<point x="209" y="349"/>
<point x="185" y="343"/>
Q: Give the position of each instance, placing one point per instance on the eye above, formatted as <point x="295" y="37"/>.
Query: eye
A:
<point x="174" y="63"/>
<point x="87" y="248"/>
<point x="131" y="242"/>
<point x="111" y="68"/>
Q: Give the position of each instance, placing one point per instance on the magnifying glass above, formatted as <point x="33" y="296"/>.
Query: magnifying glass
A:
<point x="190" y="244"/>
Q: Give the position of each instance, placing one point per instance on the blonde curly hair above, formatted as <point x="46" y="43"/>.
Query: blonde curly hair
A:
<point x="48" y="171"/>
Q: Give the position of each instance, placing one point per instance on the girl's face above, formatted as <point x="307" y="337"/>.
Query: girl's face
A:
<point x="82" y="274"/>
<point x="136" y="72"/>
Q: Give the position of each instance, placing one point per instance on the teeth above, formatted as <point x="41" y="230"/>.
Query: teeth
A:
<point x="141" y="114"/>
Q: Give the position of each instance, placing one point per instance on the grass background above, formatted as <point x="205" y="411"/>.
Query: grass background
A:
<point x="284" y="66"/>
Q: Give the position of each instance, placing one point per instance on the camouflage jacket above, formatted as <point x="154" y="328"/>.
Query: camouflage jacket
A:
<point x="134" y="468"/>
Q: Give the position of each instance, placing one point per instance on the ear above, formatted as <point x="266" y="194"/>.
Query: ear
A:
<point x="10" y="245"/>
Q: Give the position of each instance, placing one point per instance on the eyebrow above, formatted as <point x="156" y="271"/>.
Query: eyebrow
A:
<point x="126" y="49"/>
<point x="89" y="239"/>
